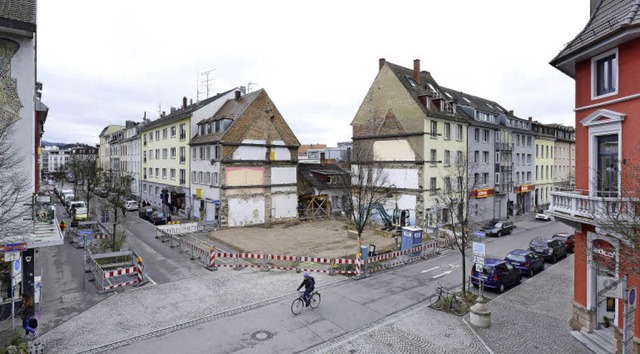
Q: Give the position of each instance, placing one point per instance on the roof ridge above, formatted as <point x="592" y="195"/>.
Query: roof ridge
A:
<point x="632" y="13"/>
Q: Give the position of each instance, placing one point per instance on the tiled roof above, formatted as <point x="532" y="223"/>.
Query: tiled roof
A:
<point x="302" y="150"/>
<point x="182" y="113"/>
<point x="422" y="89"/>
<point x="231" y="109"/>
<point x="309" y="173"/>
<point x="609" y="18"/>
<point x="19" y="10"/>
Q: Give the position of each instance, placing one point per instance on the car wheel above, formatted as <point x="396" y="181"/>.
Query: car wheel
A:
<point x="501" y="288"/>
<point x="499" y="233"/>
<point x="555" y="259"/>
<point x="531" y="272"/>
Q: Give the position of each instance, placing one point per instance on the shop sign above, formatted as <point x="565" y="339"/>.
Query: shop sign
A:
<point x="483" y="193"/>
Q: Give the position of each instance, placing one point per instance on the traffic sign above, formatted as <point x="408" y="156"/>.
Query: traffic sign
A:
<point x="610" y="286"/>
<point x="478" y="259"/>
<point x="85" y="232"/>
<point x="479" y="267"/>
<point x="478" y="249"/>
<point x="16" y="271"/>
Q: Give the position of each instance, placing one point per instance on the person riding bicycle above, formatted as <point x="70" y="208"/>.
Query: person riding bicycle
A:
<point x="309" y="285"/>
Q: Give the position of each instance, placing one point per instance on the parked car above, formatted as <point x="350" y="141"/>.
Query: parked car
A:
<point x="102" y="192"/>
<point x="499" y="228"/>
<point x="526" y="261"/>
<point x="496" y="274"/>
<point x="79" y="214"/>
<point x="551" y="250"/>
<point x="131" y="205"/>
<point x="542" y="215"/>
<point x="158" y="218"/>
<point x="567" y="239"/>
<point x="63" y="192"/>
<point x="67" y="198"/>
<point x="145" y="212"/>
<point x="75" y="204"/>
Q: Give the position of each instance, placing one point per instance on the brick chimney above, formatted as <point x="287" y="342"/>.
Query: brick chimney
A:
<point x="381" y="63"/>
<point x="238" y="94"/>
<point x="530" y="119"/>
<point x="416" y="71"/>
<point x="184" y="102"/>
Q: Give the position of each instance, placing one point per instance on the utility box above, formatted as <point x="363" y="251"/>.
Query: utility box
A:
<point x="364" y="250"/>
<point x="411" y="237"/>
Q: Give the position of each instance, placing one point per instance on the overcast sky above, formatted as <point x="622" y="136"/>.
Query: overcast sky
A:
<point x="106" y="62"/>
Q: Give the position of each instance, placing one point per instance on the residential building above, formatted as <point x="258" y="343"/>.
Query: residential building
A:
<point x="410" y="125"/>
<point x="130" y="157"/>
<point x="244" y="160"/>
<point x="321" y="189"/>
<point x="116" y="174"/>
<point x="338" y="154"/>
<point x="523" y="152"/>
<point x="564" y="156"/>
<point x="544" y="164"/>
<point x="56" y="159"/>
<point x="603" y="59"/>
<point x="21" y="104"/>
<point x="104" y="155"/>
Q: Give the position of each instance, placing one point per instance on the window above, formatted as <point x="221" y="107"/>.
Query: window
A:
<point x="529" y="176"/>
<point x="217" y="153"/>
<point x="157" y="157"/>
<point x="200" y="178"/>
<point x="173" y="153"/>
<point x="529" y="159"/>
<point x="208" y="128"/>
<point x="164" y="133"/>
<point x="432" y="184"/>
<point x="144" y="156"/>
<point x="183" y="131"/>
<point x="144" y="188"/>
<point x="604" y="70"/>
<point x="151" y="136"/>
<point x="459" y="132"/>
<point x="433" y="157"/>
<point x="476" y="156"/>
<point x="157" y="173"/>
<point x="172" y="173"/>
<point x="183" y="151"/>
<point x="517" y="139"/>
<point x="476" y="135"/>
<point x="207" y="178"/>
<point x="164" y="153"/>
<point x="194" y="177"/>
<point x="208" y="152"/>
<point x="547" y="151"/>
<point x="173" y="131"/>
<point x="518" y="159"/>
<point x="164" y="173"/>
<point x="497" y="135"/>
<point x="536" y="172"/>
<point x="194" y="153"/>
<point x="546" y="172"/>
<point x="447" y="130"/>
<point x="447" y="157"/>
<point x="144" y="173"/>
<point x="476" y="178"/>
<point x="202" y="129"/>
<point x="447" y="184"/>
<point x="497" y="157"/>
<point x="485" y="157"/>
<point x="537" y="151"/>
<point x="497" y="178"/>
<point x="157" y="190"/>
<point x="485" y="135"/>
<point x="157" y="135"/>
<point x="434" y="129"/>
<point x="215" y="178"/>
<point x="528" y="141"/>
<point x="459" y="157"/>
<point x="485" y="178"/>
<point x="202" y="153"/>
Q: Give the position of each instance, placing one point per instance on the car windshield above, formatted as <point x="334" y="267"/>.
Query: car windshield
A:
<point x="515" y="257"/>
<point x="560" y="237"/>
<point x="499" y="225"/>
<point x="539" y="243"/>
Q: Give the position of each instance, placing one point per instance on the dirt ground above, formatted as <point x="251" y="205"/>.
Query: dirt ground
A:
<point x="322" y="238"/>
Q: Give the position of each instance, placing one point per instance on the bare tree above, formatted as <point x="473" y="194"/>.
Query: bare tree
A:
<point x="367" y="187"/>
<point x="616" y="210"/>
<point x="14" y="189"/>
<point x="454" y="199"/>
<point x="115" y="205"/>
<point x="90" y="175"/>
<point x="59" y="175"/>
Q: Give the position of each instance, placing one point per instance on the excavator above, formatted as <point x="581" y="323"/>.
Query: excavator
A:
<point x="396" y="221"/>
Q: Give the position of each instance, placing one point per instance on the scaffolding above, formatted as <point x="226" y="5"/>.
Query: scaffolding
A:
<point x="314" y="207"/>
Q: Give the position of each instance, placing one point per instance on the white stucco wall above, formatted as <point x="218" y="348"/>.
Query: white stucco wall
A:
<point x="393" y="150"/>
<point x="208" y="111"/>
<point x="403" y="177"/>
<point x="281" y="153"/>
<point x="23" y="139"/>
<point x="284" y="205"/>
<point x="246" y="211"/>
<point x="250" y="152"/>
<point x="283" y="175"/>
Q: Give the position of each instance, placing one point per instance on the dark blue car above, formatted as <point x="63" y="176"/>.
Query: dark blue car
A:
<point x="496" y="274"/>
<point x="526" y="261"/>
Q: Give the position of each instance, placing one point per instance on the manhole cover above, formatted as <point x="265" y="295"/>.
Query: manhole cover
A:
<point x="261" y="335"/>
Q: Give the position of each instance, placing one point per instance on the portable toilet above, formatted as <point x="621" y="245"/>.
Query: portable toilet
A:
<point x="411" y="237"/>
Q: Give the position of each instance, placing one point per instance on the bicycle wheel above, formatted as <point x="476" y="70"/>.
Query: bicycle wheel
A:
<point x="436" y="301"/>
<point x="297" y="305"/>
<point x="459" y="307"/>
<point x="315" y="300"/>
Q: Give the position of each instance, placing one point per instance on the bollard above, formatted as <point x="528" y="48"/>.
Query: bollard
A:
<point x="212" y="259"/>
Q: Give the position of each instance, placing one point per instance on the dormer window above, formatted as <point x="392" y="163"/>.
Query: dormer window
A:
<point x="604" y="72"/>
<point x="411" y="81"/>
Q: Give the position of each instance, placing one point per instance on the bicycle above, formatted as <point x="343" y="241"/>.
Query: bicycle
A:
<point x="449" y="301"/>
<point x="298" y="304"/>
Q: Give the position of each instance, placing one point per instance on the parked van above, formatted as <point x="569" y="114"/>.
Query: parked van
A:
<point x="79" y="214"/>
<point x="67" y="198"/>
<point x="62" y="192"/>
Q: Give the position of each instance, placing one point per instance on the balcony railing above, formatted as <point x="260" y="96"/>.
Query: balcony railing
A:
<point x="579" y="205"/>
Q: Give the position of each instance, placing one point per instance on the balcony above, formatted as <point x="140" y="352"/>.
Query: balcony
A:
<point x="578" y="206"/>
<point x="503" y="146"/>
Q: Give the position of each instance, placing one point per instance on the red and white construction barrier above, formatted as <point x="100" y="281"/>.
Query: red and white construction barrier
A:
<point x="120" y="271"/>
<point x="114" y="286"/>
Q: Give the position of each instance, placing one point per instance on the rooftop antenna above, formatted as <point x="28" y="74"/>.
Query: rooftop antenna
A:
<point x="159" y="109"/>
<point x="206" y="82"/>
<point x="250" y="85"/>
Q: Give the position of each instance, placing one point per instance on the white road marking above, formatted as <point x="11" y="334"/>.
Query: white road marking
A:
<point x="442" y="274"/>
<point x="428" y="270"/>
<point x="454" y="266"/>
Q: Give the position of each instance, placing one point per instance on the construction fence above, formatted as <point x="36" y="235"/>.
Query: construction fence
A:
<point x="116" y="269"/>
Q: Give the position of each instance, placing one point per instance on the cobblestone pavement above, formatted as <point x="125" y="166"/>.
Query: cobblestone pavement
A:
<point x="534" y="316"/>
<point x="171" y="306"/>
<point x="419" y="329"/>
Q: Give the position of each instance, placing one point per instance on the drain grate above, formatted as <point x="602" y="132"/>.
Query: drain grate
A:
<point x="261" y="335"/>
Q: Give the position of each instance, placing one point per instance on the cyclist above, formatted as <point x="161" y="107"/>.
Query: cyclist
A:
<point x="309" y="285"/>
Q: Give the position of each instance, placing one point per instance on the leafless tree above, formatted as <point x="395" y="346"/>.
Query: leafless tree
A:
<point x="616" y="210"/>
<point x="115" y="205"/>
<point x="15" y="188"/>
<point x="90" y="175"/>
<point x="368" y="186"/>
<point x="454" y="199"/>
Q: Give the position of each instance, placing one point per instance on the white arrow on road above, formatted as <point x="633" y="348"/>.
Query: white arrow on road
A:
<point x="454" y="266"/>
<point x="428" y="270"/>
<point x="442" y="274"/>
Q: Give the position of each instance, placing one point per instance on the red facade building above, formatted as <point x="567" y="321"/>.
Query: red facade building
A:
<point x="604" y="60"/>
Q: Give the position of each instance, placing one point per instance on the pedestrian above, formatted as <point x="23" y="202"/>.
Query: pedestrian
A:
<point x="63" y="227"/>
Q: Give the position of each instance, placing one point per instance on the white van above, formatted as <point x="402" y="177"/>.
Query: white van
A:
<point x="67" y="198"/>
<point x="76" y="204"/>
